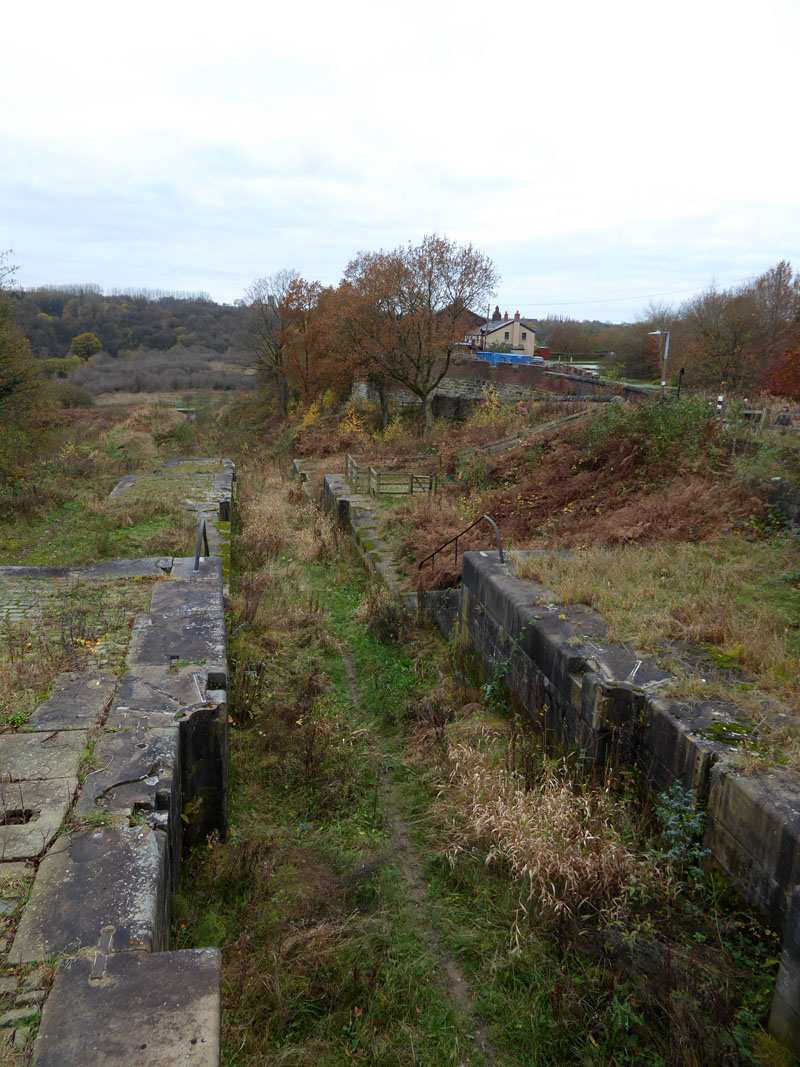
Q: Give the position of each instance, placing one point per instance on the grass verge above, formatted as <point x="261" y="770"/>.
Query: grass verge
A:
<point x="735" y="601"/>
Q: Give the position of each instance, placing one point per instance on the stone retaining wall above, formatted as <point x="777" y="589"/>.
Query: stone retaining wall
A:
<point x="101" y="789"/>
<point x="604" y="699"/>
<point x="464" y="385"/>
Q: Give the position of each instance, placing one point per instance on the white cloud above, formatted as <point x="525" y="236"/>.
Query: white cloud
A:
<point x="590" y="149"/>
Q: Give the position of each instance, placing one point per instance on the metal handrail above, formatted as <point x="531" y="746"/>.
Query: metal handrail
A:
<point x="461" y="534"/>
<point x="202" y="539"/>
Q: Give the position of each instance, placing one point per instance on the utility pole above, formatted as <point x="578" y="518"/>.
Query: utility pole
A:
<point x="658" y="333"/>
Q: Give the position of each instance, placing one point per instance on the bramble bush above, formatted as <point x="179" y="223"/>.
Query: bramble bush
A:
<point x="656" y="431"/>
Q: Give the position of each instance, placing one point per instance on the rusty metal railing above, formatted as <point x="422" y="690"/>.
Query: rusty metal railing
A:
<point x="454" y="540"/>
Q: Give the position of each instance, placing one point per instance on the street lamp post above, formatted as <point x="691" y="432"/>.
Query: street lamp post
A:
<point x="658" y="333"/>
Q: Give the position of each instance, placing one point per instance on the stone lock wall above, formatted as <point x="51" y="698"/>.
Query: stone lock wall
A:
<point x="88" y="868"/>
<point x="607" y="701"/>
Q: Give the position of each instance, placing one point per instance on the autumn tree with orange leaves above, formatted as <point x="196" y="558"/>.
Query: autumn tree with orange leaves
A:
<point x="785" y="377"/>
<point x="405" y="309"/>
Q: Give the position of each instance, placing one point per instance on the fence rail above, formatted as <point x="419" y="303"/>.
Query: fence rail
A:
<point x="384" y="477"/>
<point x="397" y="483"/>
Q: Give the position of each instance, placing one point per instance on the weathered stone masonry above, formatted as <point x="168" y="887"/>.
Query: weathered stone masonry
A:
<point x="100" y="902"/>
<point x="603" y="698"/>
<point x="606" y="700"/>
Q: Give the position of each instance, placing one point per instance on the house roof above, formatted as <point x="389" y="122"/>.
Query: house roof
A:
<point x="494" y="325"/>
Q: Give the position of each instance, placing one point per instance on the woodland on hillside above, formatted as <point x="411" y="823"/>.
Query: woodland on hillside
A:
<point x="54" y="317"/>
<point x="396" y="319"/>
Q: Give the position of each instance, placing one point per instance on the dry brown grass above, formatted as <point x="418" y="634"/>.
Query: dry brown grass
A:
<point x="265" y="530"/>
<point x="736" y="595"/>
<point x="559" y="838"/>
<point x="382" y="612"/>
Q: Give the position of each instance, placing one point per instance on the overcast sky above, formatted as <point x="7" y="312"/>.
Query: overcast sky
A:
<point x="601" y="154"/>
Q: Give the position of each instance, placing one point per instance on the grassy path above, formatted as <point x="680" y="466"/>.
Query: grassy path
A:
<point x="318" y="897"/>
<point x="409" y="863"/>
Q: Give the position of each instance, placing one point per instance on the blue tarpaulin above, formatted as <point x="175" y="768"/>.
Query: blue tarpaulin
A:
<point x="502" y="357"/>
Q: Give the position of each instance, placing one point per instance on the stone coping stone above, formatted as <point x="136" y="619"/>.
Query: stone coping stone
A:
<point x="149" y="567"/>
<point x="753" y="830"/>
<point x="671" y="747"/>
<point x="186" y="626"/>
<point x="157" y="696"/>
<point x="210" y="569"/>
<point x="152" y="1010"/>
<point x="32" y="814"/>
<point x="201" y="463"/>
<point x="77" y="701"/>
<point x="190" y="640"/>
<point x="30" y="757"/>
<point x="185" y="599"/>
<point x="139" y="772"/>
<point x="109" y="878"/>
<point x="124" y="483"/>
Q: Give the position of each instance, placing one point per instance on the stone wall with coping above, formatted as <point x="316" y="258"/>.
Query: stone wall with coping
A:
<point x="88" y="867"/>
<point x="606" y="700"/>
<point x="603" y="698"/>
<point x="99" y="892"/>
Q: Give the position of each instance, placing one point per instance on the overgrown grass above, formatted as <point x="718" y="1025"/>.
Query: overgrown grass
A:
<point x="324" y="956"/>
<point x="738" y="598"/>
<point x="78" y="625"/>
<point x="85" y="529"/>
<point x="331" y="957"/>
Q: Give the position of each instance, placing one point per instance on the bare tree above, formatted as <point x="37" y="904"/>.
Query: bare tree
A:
<point x="263" y="331"/>
<point x="7" y="269"/>
<point x="776" y="295"/>
<point x="719" y="334"/>
<point x="405" y="309"/>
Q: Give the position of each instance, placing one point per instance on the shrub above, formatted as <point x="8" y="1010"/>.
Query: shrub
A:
<point x="655" y="431"/>
<point x="69" y="395"/>
<point x="384" y="615"/>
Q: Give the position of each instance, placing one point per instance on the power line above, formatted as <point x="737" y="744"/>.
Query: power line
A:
<point x="617" y="299"/>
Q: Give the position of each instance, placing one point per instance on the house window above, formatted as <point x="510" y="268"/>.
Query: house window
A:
<point x="524" y="335"/>
<point x="507" y="335"/>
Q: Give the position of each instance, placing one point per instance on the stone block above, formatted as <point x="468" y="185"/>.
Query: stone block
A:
<point x="673" y="745"/>
<point x="753" y="832"/>
<point x="31" y="814"/>
<point x="140" y="775"/>
<point x="186" y="625"/>
<point x="148" y="567"/>
<point x="30" y="757"/>
<point x="784" y="1019"/>
<point x="124" y="483"/>
<point x="109" y="878"/>
<point x="158" y="696"/>
<point x="210" y="569"/>
<point x="77" y="701"/>
<point x="205" y="757"/>
<point x="159" y="1010"/>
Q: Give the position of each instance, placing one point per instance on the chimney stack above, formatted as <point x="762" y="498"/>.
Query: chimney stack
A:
<point x="516" y="317"/>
